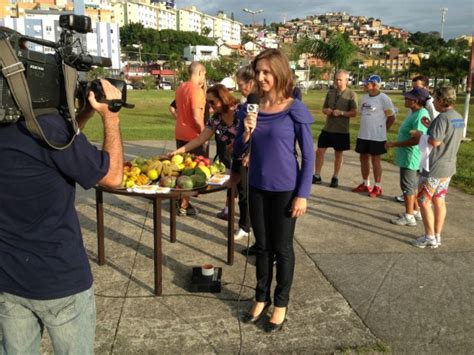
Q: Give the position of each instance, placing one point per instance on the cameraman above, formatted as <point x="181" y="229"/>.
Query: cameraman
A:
<point x="45" y="277"/>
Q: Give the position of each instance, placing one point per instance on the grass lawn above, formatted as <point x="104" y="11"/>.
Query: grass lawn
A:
<point x="151" y="120"/>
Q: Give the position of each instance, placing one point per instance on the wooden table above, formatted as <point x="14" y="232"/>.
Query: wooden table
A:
<point x="172" y="196"/>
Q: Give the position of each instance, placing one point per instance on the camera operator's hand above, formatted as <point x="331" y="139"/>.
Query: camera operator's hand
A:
<point x="111" y="93"/>
<point x="112" y="138"/>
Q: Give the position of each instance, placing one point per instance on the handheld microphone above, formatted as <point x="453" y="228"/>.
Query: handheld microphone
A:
<point x="252" y="104"/>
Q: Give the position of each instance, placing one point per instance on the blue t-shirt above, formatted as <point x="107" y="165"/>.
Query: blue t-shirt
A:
<point x="273" y="157"/>
<point x="42" y="255"/>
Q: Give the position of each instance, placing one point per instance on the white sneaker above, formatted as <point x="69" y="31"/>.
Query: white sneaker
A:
<point x="424" y="241"/>
<point x="240" y="234"/>
<point x="438" y="239"/>
<point x="416" y="214"/>
<point x="404" y="220"/>
<point x="400" y="198"/>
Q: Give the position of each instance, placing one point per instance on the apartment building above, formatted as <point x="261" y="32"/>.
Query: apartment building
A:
<point x="189" y="19"/>
<point x="220" y="26"/>
<point x="166" y="17"/>
<point x="7" y="8"/>
<point x="127" y="12"/>
<point x="104" y="41"/>
<point x="394" y="63"/>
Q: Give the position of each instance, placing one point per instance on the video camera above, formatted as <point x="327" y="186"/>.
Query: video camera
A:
<point x="44" y="72"/>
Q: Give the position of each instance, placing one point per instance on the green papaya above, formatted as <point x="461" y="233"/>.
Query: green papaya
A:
<point x="184" y="182"/>
<point x="188" y="171"/>
<point x="168" y="181"/>
<point x="198" y="180"/>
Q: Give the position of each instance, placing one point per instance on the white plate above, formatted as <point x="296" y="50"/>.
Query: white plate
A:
<point x="149" y="189"/>
<point x="218" y="179"/>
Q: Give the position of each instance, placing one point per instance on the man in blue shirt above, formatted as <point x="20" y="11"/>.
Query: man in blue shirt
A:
<point x="45" y="277"/>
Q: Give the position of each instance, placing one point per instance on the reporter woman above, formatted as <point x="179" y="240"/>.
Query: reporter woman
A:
<point x="278" y="185"/>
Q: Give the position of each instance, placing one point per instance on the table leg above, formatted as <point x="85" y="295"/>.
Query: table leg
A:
<point x="173" y="220"/>
<point x="158" y="254"/>
<point x="230" y="224"/>
<point x="99" y="208"/>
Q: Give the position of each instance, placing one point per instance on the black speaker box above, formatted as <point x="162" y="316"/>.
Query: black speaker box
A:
<point x="201" y="283"/>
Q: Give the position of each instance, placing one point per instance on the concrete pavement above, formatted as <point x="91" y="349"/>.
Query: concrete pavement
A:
<point x="359" y="285"/>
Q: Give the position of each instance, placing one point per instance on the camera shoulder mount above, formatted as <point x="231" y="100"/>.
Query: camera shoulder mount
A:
<point x="13" y="71"/>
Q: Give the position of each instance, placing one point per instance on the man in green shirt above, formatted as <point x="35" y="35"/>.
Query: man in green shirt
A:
<point x="339" y="106"/>
<point x="407" y="156"/>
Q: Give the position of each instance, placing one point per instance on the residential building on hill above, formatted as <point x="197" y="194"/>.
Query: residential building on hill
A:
<point x="104" y="41"/>
<point x="159" y="15"/>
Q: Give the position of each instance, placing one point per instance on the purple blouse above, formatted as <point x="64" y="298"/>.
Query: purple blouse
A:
<point x="273" y="156"/>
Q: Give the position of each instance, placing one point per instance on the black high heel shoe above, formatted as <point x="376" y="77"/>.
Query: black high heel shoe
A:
<point x="250" y="318"/>
<point x="273" y="327"/>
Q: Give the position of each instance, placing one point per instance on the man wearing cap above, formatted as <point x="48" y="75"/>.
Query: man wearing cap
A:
<point x="339" y="106"/>
<point x="377" y="116"/>
<point x="421" y="81"/>
<point x="444" y="135"/>
<point x="407" y="155"/>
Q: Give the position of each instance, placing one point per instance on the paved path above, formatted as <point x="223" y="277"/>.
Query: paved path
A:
<point x="358" y="285"/>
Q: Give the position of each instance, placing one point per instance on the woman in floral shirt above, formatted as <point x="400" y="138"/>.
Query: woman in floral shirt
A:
<point x="223" y="123"/>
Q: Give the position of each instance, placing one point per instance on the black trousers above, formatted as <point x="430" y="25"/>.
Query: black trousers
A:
<point x="274" y="230"/>
<point x="242" y="187"/>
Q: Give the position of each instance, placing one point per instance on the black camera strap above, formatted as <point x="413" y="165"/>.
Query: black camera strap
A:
<point x="13" y="71"/>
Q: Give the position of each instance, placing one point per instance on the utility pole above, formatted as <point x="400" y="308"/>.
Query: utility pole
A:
<point x="253" y="13"/>
<point x="470" y="78"/>
<point x="444" y="11"/>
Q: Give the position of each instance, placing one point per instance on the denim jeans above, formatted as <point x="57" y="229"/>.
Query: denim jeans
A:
<point x="70" y="322"/>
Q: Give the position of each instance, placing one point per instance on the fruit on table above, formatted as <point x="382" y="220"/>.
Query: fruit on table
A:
<point x="177" y="159"/>
<point x="168" y="181"/>
<point x="184" y="182"/>
<point x="198" y="180"/>
<point x="187" y="171"/>
<point x="201" y="160"/>
<point x="155" y="165"/>
<point x="142" y="171"/>
<point x="170" y="169"/>
<point x="153" y="174"/>
<point x="203" y="170"/>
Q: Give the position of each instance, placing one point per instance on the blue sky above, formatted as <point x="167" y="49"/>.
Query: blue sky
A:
<point x="411" y="15"/>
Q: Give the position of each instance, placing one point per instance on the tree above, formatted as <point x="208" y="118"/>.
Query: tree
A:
<point x="426" y="41"/>
<point x="338" y="50"/>
<point x="96" y="73"/>
<point x="444" y="64"/>
<point x="150" y="82"/>
<point x="393" y="42"/>
<point x="246" y="38"/>
<point x="216" y="70"/>
<point x="154" y="43"/>
<point x="383" y="72"/>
